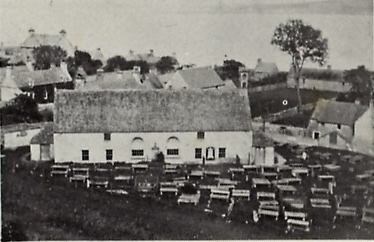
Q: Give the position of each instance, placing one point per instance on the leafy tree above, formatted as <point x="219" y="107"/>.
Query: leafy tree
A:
<point x="46" y="55"/>
<point x="21" y="109"/>
<point x="144" y="66"/>
<point x="166" y="64"/>
<point x="302" y="42"/>
<point x="360" y="79"/>
<point x="89" y="65"/>
<point x="115" y="62"/>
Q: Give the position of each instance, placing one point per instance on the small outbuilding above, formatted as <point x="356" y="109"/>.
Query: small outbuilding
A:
<point x="41" y="145"/>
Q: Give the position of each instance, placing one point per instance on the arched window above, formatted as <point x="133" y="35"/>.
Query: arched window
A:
<point x="172" y="146"/>
<point x="137" y="147"/>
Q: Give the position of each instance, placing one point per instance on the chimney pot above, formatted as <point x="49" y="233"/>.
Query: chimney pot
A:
<point x="329" y="67"/>
<point x="63" y="32"/>
<point x="259" y="60"/>
<point x="31" y="31"/>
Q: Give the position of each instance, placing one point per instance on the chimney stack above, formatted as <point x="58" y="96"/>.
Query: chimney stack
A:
<point x="328" y="67"/>
<point x="29" y="65"/>
<point x="8" y="72"/>
<point x="131" y="52"/>
<point x="259" y="60"/>
<point x="31" y="31"/>
<point x="63" y="33"/>
<point x="100" y="74"/>
<point x="151" y="52"/>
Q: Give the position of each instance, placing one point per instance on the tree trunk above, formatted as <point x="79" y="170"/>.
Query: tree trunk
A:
<point x="297" y="80"/>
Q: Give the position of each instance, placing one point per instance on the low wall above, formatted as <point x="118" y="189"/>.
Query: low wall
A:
<point x="267" y="87"/>
<point x="281" y="129"/>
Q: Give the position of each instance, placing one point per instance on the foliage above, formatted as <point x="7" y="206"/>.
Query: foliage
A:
<point x="21" y="109"/>
<point x="229" y="70"/>
<point x="166" y="64"/>
<point x="360" y="79"/>
<point x="280" y="77"/>
<point x="13" y="231"/>
<point x="115" y="62"/>
<point x="89" y="65"/>
<point x="3" y="62"/>
<point x="302" y="42"/>
<point x="47" y="55"/>
<point x="119" y="62"/>
<point x="321" y="74"/>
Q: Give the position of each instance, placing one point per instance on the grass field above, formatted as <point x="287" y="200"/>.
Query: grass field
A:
<point x="35" y="208"/>
<point x="273" y="99"/>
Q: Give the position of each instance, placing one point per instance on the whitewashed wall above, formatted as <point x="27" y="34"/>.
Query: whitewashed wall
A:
<point x="68" y="146"/>
<point x="36" y="153"/>
<point x="13" y="140"/>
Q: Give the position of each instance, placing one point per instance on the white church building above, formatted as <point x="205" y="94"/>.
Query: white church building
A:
<point x="187" y="126"/>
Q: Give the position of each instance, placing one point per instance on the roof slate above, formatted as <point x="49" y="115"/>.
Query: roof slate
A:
<point x="151" y="111"/>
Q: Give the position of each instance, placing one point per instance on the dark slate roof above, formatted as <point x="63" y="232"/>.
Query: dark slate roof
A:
<point x="45" y="136"/>
<point x="345" y="113"/>
<point x="152" y="81"/>
<point x="151" y="111"/>
<point x="260" y="139"/>
<point x="201" y="77"/>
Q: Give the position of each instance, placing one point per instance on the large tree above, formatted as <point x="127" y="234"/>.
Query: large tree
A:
<point x="166" y="64"/>
<point x="115" y="62"/>
<point x="46" y="55"/>
<point x="302" y="42"/>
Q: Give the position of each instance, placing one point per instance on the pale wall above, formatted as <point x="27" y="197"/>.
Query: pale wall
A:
<point x="323" y="85"/>
<point x="12" y="140"/>
<point x="35" y="152"/>
<point x="364" y="132"/>
<point x="68" y="146"/>
<point x="259" y="157"/>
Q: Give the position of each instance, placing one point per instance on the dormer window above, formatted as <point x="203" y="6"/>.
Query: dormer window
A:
<point x="200" y="135"/>
<point x="339" y="126"/>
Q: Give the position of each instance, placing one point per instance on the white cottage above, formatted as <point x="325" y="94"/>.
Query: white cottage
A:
<point x="134" y="125"/>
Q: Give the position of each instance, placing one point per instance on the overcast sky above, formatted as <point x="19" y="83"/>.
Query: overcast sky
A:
<point x="199" y="31"/>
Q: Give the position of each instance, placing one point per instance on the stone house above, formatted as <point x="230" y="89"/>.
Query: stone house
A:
<point x="264" y="69"/>
<point x="340" y="124"/>
<point x="187" y="126"/>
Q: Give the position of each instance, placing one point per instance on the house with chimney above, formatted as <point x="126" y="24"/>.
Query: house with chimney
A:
<point x="320" y="79"/>
<point x="341" y="125"/>
<point x="194" y="78"/>
<point x="264" y="69"/>
<point x="187" y="126"/>
<point x="126" y="79"/>
<point x="38" y="84"/>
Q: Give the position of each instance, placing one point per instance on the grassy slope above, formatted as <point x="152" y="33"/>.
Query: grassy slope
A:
<point x="260" y="100"/>
<point x="50" y="211"/>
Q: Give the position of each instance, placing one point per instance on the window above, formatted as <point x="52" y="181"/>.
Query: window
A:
<point x="109" y="154"/>
<point x="85" y="155"/>
<point x="172" y="152"/>
<point x="222" y="152"/>
<point x="198" y="153"/>
<point x="244" y="85"/>
<point x="339" y="126"/>
<point x="107" y="136"/>
<point x="200" y="135"/>
<point x="316" y="135"/>
<point x="137" y="153"/>
<point x="210" y="153"/>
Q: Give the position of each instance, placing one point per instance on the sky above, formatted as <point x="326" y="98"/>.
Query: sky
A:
<point x="200" y="32"/>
